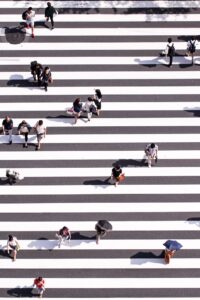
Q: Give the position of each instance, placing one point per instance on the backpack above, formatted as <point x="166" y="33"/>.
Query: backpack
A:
<point x="33" y="64"/>
<point x="192" y="47"/>
<point x="24" y="14"/>
<point x="171" y="51"/>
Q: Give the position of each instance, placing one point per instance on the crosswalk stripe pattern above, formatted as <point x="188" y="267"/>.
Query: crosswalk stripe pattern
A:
<point x="113" y="46"/>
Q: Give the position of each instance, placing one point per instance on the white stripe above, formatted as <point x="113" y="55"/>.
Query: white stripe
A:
<point x="99" y="207"/>
<point x="89" y="226"/>
<point x="107" y="106"/>
<point x="103" y="4"/>
<point x="113" y="31"/>
<point x="101" y="189"/>
<point x="89" y="60"/>
<point x="103" y="172"/>
<point x="118" y="122"/>
<point x="109" y="90"/>
<point x="107" y="138"/>
<point x="96" y="155"/>
<point x="110" y="18"/>
<point x="105" y="244"/>
<point x="104" y="283"/>
<point x="124" y="298"/>
<point x="179" y="75"/>
<point x="123" y="263"/>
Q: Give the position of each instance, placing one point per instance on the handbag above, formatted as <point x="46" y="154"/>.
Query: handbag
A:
<point x="50" y="80"/>
<point x="121" y="177"/>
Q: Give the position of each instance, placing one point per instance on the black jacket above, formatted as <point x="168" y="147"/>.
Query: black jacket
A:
<point x="49" y="11"/>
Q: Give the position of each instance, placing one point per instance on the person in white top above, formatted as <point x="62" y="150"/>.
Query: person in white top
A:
<point x="151" y="152"/>
<point x="30" y="14"/>
<point x="191" y="48"/>
<point x="12" y="246"/>
<point x="89" y="107"/>
<point x="41" y="131"/>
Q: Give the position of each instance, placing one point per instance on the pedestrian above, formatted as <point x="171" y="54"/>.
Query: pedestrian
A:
<point x="168" y="255"/>
<point x="7" y="126"/>
<point x="13" y="176"/>
<point x="49" y="14"/>
<point x="46" y="77"/>
<point x="41" y="132"/>
<point x="89" y="107"/>
<point x="39" y="283"/>
<point x="77" y="108"/>
<point x="170" y="51"/>
<point x="100" y="233"/>
<point x="117" y="175"/>
<point x="191" y="48"/>
<point x="36" y="71"/>
<point x="30" y="14"/>
<point x="98" y="100"/>
<point x="151" y="151"/>
<point x="12" y="247"/>
<point x="63" y="235"/>
<point x="24" y="129"/>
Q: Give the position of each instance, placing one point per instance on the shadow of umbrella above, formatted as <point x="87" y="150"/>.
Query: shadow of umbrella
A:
<point x="15" y="35"/>
<point x="141" y="258"/>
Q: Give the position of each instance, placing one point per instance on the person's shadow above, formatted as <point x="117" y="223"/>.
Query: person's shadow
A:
<point x="141" y="258"/>
<point x="21" y="292"/>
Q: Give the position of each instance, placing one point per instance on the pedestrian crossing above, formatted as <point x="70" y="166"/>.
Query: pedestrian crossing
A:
<point x="113" y="46"/>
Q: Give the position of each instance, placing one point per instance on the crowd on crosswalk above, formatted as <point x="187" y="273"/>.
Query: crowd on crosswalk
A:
<point x="111" y="108"/>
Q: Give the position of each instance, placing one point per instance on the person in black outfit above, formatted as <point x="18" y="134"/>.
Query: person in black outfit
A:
<point x="100" y="233"/>
<point x="170" y="51"/>
<point x="24" y="129"/>
<point x="7" y="126"/>
<point x="116" y="172"/>
<point x="36" y="71"/>
<point x="46" y="77"/>
<point x="49" y="12"/>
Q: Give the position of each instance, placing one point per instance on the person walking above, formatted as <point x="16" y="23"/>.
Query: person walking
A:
<point x="39" y="283"/>
<point x="49" y="14"/>
<point x="36" y="71"/>
<point x="7" y="126"/>
<point x="30" y="14"/>
<point x="89" y="107"/>
<point x="77" y="108"/>
<point x="24" y="128"/>
<point x="117" y="174"/>
<point x="102" y="227"/>
<point x="97" y="100"/>
<point x="63" y="235"/>
<point x="46" y="77"/>
<point x="151" y="151"/>
<point x="170" y="51"/>
<point x="41" y="132"/>
<point x="191" y="48"/>
<point x="12" y="246"/>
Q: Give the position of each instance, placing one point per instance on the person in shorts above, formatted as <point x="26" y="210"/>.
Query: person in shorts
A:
<point x="39" y="284"/>
<point x="41" y="131"/>
<point x="30" y="14"/>
<point x="12" y="246"/>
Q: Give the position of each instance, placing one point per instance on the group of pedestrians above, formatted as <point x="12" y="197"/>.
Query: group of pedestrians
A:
<point x="170" y="49"/>
<point x="29" y="15"/>
<point x="42" y="75"/>
<point x="91" y="106"/>
<point x="24" y="129"/>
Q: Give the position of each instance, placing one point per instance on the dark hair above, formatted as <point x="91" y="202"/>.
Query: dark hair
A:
<point x="98" y="93"/>
<point x="46" y="68"/>
<point x="90" y="99"/>
<point x="30" y="8"/>
<point x="169" y="40"/>
<point x="10" y="237"/>
<point x="152" y="145"/>
<point x="49" y="3"/>
<point x="40" y="122"/>
<point x="117" y="167"/>
<point x="77" y="101"/>
<point x="39" y="278"/>
<point x="192" y="38"/>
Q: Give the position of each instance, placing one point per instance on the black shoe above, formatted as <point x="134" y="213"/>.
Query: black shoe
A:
<point x="52" y="28"/>
<point x="10" y="143"/>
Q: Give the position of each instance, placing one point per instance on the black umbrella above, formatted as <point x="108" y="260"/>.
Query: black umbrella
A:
<point x="104" y="225"/>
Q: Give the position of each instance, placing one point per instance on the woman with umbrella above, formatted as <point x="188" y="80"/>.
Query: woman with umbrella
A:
<point x="102" y="227"/>
<point x="171" y="247"/>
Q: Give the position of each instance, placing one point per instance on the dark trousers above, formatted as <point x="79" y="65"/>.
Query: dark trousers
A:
<point x="45" y="84"/>
<point x="26" y="136"/>
<point x="170" y="60"/>
<point x="52" y="21"/>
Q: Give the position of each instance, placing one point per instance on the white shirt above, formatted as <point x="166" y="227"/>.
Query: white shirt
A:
<point x="30" y="16"/>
